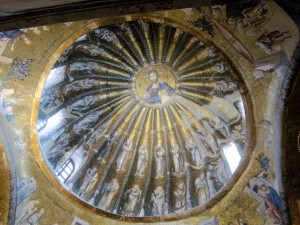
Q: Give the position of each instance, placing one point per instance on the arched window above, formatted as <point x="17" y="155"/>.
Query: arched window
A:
<point x="66" y="170"/>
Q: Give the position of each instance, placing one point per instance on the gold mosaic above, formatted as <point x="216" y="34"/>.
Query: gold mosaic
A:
<point x="141" y="119"/>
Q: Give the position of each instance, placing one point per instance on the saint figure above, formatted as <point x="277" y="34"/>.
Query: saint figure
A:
<point x="60" y="147"/>
<point x="89" y="182"/>
<point x="132" y="197"/>
<point x="79" y="85"/>
<point x="207" y="138"/>
<point x="34" y="218"/>
<point x="271" y="200"/>
<point x="143" y="158"/>
<point x="177" y="159"/>
<point x="180" y="201"/>
<point x="26" y="212"/>
<point x="218" y="185"/>
<point x="126" y="153"/>
<point x="202" y="189"/>
<point x="108" y="192"/>
<point x="158" y="200"/>
<point x="221" y="128"/>
<point x="159" y="154"/>
<point x="78" y="107"/>
<point x="192" y="147"/>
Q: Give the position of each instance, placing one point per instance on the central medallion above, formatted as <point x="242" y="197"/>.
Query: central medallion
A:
<point x="155" y="85"/>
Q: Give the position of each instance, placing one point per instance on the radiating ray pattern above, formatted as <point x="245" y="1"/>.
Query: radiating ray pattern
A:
<point x="139" y="118"/>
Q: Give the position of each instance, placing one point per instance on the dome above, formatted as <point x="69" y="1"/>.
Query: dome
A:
<point x="142" y="119"/>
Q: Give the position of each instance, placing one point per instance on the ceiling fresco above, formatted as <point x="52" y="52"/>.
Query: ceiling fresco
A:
<point x="170" y="117"/>
<point x="142" y="119"/>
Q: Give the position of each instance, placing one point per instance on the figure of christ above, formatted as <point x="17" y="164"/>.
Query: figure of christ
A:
<point x="157" y="92"/>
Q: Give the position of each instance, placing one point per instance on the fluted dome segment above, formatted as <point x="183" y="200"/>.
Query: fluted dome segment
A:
<point x="142" y="119"/>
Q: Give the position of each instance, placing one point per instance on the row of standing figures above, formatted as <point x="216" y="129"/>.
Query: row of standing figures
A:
<point x="206" y="185"/>
<point x="160" y="153"/>
<point x="127" y="149"/>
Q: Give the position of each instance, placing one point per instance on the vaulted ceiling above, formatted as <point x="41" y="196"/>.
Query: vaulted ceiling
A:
<point x="147" y="47"/>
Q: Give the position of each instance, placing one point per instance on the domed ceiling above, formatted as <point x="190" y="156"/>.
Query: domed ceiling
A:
<point x="142" y="119"/>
